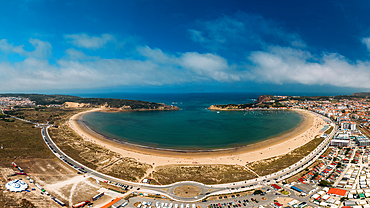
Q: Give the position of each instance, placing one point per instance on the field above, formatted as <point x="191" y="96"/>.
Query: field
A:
<point x="274" y="164"/>
<point x="97" y="157"/>
<point x="22" y="144"/>
<point x="207" y="174"/>
<point x="21" y="140"/>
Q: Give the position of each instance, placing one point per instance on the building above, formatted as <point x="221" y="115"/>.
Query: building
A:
<point x="337" y="192"/>
<point x="362" y="140"/>
<point x="277" y="205"/>
<point x="276" y="187"/>
<point x="338" y="142"/>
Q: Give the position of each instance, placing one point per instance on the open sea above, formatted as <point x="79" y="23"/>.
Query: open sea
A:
<point x="192" y="127"/>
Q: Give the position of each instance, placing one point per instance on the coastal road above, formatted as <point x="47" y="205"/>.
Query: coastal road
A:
<point x="166" y="190"/>
<point x="206" y="190"/>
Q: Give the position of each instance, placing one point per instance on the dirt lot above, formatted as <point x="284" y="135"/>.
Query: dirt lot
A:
<point x="56" y="178"/>
<point x="208" y="174"/>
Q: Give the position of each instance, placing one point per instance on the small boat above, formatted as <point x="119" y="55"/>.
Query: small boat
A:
<point x="218" y="111"/>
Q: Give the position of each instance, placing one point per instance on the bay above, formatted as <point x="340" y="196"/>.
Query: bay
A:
<point x="194" y="126"/>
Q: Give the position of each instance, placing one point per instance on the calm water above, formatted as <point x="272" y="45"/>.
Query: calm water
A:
<point x="192" y="127"/>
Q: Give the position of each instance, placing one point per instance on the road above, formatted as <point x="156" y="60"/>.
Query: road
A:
<point x="168" y="190"/>
<point x="206" y="190"/>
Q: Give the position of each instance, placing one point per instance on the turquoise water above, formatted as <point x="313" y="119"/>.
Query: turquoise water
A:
<point x="194" y="127"/>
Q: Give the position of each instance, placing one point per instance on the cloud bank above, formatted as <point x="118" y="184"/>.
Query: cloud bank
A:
<point x="269" y="55"/>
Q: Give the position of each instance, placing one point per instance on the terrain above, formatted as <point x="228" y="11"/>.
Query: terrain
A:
<point x="109" y="103"/>
<point x="272" y="101"/>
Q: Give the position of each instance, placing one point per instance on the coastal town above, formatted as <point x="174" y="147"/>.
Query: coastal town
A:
<point x="184" y="104"/>
<point x="335" y="173"/>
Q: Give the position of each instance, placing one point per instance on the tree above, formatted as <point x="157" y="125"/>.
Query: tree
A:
<point x="343" y="199"/>
<point x="324" y="183"/>
<point x="257" y="192"/>
<point x="339" y="165"/>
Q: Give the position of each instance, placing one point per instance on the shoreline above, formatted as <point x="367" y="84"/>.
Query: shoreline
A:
<point x="82" y="124"/>
<point x="277" y="145"/>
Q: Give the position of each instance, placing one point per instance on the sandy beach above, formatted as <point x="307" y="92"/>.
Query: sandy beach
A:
<point x="310" y="127"/>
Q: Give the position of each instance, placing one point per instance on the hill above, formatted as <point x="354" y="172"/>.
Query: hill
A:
<point x="41" y="99"/>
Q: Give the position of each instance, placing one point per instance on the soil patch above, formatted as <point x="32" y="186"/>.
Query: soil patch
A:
<point x="187" y="191"/>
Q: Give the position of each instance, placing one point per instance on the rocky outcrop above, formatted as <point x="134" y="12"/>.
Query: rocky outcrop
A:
<point x="263" y="98"/>
<point x="226" y="107"/>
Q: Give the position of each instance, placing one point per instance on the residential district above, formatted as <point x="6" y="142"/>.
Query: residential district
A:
<point x="336" y="175"/>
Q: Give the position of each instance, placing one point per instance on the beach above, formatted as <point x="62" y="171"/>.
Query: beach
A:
<point x="309" y="127"/>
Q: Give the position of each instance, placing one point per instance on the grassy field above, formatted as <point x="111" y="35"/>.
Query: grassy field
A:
<point x="329" y="130"/>
<point x="21" y="140"/>
<point x="207" y="174"/>
<point x="274" y="164"/>
<point x="96" y="157"/>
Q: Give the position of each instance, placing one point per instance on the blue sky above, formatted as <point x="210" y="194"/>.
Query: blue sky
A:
<point x="184" y="46"/>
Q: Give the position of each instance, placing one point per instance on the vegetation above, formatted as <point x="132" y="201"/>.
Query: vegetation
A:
<point x="19" y="141"/>
<point x="339" y="165"/>
<point x="329" y="130"/>
<point x="284" y="192"/>
<point x="274" y="164"/>
<point x="208" y="174"/>
<point x="257" y="192"/>
<point x="97" y="157"/>
<point x="94" y="102"/>
<point x="325" y="183"/>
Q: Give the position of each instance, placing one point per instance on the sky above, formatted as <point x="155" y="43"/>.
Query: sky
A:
<point x="87" y="46"/>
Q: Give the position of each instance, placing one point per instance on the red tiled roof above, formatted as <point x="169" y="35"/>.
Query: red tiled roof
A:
<point x="336" y="191"/>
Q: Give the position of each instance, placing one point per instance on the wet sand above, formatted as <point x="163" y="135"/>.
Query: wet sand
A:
<point x="309" y="127"/>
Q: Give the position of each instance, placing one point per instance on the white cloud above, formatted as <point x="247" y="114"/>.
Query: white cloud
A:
<point x="282" y="65"/>
<point x="207" y="66"/>
<point x="197" y="36"/>
<point x="276" y="64"/>
<point x="156" y="55"/>
<point x="86" y="41"/>
<point x="366" y="42"/>
<point x="42" y="48"/>
<point x="75" y="54"/>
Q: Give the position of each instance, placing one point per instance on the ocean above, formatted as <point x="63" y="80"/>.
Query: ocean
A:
<point x="192" y="127"/>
